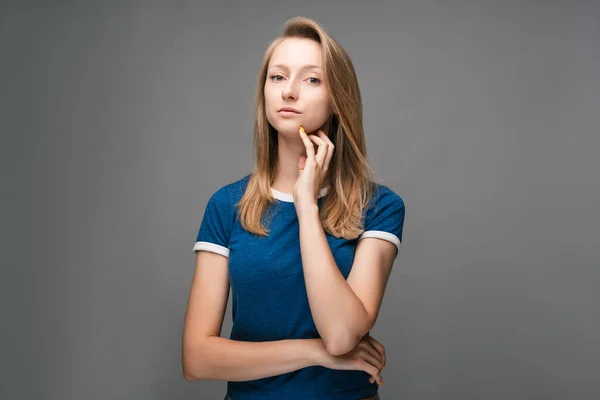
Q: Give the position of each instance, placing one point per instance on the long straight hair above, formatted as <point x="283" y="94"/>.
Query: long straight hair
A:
<point x="349" y="171"/>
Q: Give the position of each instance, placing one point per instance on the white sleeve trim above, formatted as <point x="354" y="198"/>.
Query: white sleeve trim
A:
<point x="214" y="248"/>
<point x="390" y="237"/>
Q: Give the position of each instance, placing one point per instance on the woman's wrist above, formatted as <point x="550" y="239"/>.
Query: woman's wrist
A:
<point x="307" y="210"/>
<point x="317" y="352"/>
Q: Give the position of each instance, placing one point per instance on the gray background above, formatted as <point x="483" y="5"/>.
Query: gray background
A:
<point x="119" y="120"/>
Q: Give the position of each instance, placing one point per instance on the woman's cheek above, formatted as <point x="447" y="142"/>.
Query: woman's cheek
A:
<point x="319" y="116"/>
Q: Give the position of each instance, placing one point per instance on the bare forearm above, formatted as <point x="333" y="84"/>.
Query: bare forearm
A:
<point x="218" y="358"/>
<point x="339" y="315"/>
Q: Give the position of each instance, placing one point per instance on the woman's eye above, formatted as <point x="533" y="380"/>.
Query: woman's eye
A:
<point x="312" y="80"/>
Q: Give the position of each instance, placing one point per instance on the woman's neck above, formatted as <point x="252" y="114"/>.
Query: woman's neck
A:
<point x="287" y="172"/>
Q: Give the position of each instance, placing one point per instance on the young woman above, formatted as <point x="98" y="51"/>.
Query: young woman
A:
<point x="306" y="241"/>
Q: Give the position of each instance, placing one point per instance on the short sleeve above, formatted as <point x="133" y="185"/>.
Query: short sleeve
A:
<point x="217" y="223"/>
<point x="384" y="218"/>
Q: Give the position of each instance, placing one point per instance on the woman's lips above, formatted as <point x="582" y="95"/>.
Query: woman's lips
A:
<point x="286" y="113"/>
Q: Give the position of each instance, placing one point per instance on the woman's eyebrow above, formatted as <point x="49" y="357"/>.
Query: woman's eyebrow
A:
<point x="306" y="66"/>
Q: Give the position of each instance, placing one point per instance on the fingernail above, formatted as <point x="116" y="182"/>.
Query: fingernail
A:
<point x="302" y="130"/>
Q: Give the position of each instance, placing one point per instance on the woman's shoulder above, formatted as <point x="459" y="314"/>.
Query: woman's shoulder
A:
<point x="384" y="194"/>
<point x="237" y="185"/>
<point x="385" y="213"/>
<point x="231" y="192"/>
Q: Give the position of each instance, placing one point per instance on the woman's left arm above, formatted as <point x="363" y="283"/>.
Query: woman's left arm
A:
<point x="343" y="310"/>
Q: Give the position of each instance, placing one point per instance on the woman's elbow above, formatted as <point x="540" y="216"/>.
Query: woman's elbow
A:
<point x="188" y="372"/>
<point x="191" y="374"/>
<point x="340" y="345"/>
<point x="191" y="366"/>
<point x="187" y="376"/>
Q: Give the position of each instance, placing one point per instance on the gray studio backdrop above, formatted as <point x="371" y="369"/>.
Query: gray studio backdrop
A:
<point x="120" y="119"/>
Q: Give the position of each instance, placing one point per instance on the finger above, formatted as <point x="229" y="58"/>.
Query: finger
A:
<point x="373" y="379"/>
<point x="377" y="346"/>
<point x="310" y="148"/>
<point x="321" y="151"/>
<point x="330" y="148"/>
<point x="368" y="347"/>
<point x="302" y="162"/>
<point x="374" y="361"/>
<point x="323" y="136"/>
<point x="371" y="370"/>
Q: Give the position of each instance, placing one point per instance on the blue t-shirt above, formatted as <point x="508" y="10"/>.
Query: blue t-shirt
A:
<point x="268" y="289"/>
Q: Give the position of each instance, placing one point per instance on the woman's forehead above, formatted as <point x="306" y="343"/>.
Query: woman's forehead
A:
<point x="297" y="53"/>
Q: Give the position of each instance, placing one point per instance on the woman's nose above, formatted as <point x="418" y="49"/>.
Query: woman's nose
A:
<point x="290" y="91"/>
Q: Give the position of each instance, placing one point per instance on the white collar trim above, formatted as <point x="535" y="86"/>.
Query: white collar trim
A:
<point x="290" y="198"/>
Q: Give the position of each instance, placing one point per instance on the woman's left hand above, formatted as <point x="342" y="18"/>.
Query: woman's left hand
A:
<point x="313" y="168"/>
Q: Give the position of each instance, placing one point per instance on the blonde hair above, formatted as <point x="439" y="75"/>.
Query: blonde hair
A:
<point x="349" y="171"/>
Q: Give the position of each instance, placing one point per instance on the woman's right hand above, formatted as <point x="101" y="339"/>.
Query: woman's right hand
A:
<point x="368" y="356"/>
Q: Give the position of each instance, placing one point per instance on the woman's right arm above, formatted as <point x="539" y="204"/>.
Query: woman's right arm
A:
<point x="206" y="355"/>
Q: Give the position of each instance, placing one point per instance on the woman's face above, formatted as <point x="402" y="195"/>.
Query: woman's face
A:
<point x="296" y="79"/>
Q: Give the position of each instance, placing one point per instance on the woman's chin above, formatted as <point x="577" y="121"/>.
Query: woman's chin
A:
<point x="289" y="131"/>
